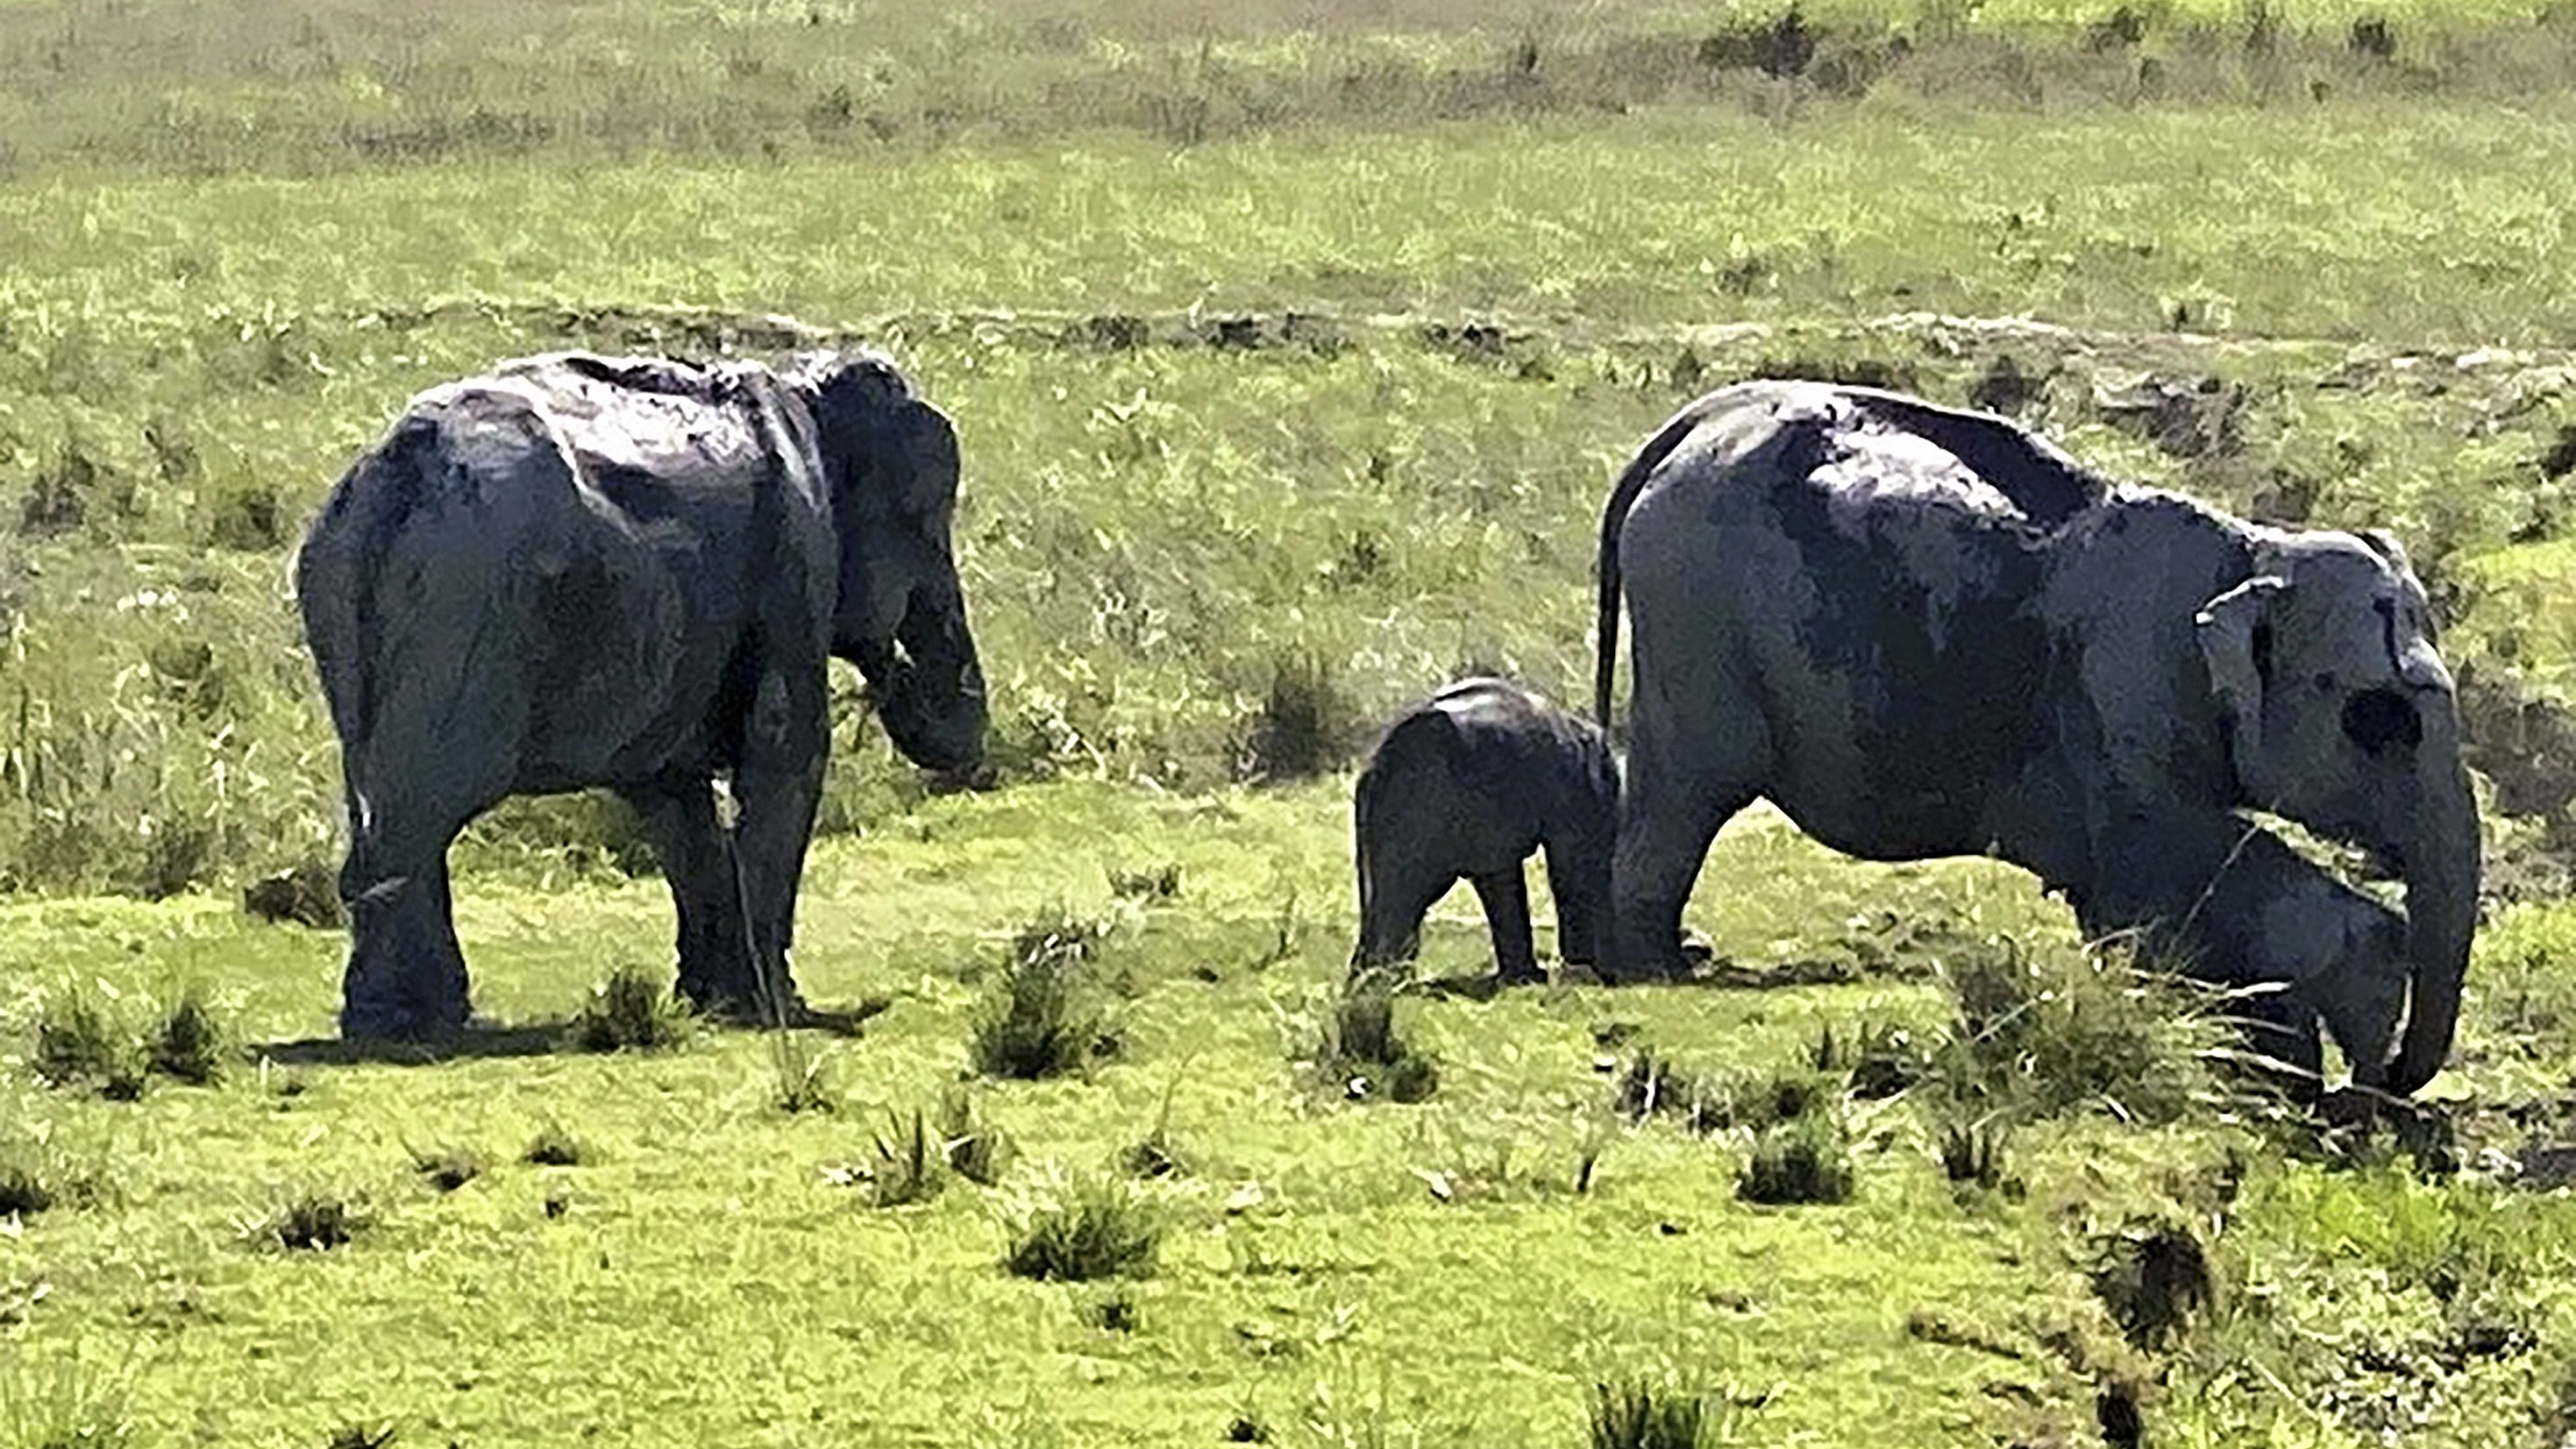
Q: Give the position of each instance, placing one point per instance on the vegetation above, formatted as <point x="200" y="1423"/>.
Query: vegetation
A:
<point x="1292" y="349"/>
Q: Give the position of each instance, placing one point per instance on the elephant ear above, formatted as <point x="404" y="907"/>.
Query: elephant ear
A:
<point x="2235" y="633"/>
<point x="871" y="427"/>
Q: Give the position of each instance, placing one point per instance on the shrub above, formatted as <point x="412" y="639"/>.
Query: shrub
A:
<point x="1102" y="1231"/>
<point x="1038" y="1022"/>
<point x="1637" y="1414"/>
<point x="189" y="1044"/>
<point x="630" y="1011"/>
<point x="1803" y="1159"/>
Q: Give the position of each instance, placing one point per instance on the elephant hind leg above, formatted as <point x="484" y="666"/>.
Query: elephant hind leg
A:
<point x="1677" y="797"/>
<point x="405" y="976"/>
<point x="1505" y="894"/>
<point x="680" y="817"/>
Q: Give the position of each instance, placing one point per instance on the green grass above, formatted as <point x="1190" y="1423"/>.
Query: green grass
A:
<point x="1207" y="543"/>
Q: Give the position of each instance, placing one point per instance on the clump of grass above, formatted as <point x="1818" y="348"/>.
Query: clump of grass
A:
<point x="1116" y="1313"/>
<point x="79" y="1040"/>
<point x="910" y="1162"/>
<point x="1307" y="722"/>
<point x="2152" y="1275"/>
<point x="312" y="1221"/>
<point x="976" y="1149"/>
<point x="307" y="893"/>
<point x="1652" y="1086"/>
<point x="363" y="1436"/>
<point x="1365" y="1050"/>
<point x="1039" y="1021"/>
<point x="1880" y="1059"/>
<point x="1802" y="1159"/>
<point x="1972" y="1153"/>
<point x="35" y="1179"/>
<point x="447" y="1168"/>
<point x="1101" y="1230"/>
<point x="189" y="1043"/>
<point x="632" y="1010"/>
<point x="802" y="1076"/>
<point x="2058" y="1030"/>
<point x="1154" y="1155"/>
<point x="1247" y="1428"/>
<point x="1638" y="1414"/>
<point x="1158" y="883"/>
<point x="554" y="1147"/>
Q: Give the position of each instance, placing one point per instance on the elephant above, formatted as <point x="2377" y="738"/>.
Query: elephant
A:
<point x="580" y="571"/>
<point x="1924" y="632"/>
<point x="1469" y="783"/>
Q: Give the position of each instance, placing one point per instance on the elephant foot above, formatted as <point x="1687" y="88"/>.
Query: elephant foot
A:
<point x="402" y="1022"/>
<point x="745" y="1003"/>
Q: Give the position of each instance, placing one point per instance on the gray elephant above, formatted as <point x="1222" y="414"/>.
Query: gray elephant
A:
<point x="581" y="571"/>
<point x="1468" y="784"/>
<point x="1924" y="632"/>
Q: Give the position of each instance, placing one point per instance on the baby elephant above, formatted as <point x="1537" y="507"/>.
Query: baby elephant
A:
<point x="1468" y="783"/>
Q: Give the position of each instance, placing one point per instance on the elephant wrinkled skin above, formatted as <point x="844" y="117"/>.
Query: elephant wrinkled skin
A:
<point x="581" y="571"/>
<point x="1466" y="785"/>
<point x="1922" y="632"/>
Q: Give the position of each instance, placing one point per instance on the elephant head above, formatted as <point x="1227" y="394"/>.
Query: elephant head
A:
<point x="2341" y="715"/>
<point x="892" y="463"/>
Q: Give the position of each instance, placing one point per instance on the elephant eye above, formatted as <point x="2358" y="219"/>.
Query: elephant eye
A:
<point x="2377" y="719"/>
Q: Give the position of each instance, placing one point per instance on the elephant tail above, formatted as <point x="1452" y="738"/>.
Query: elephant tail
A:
<point x="337" y="564"/>
<point x="1614" y="517"/>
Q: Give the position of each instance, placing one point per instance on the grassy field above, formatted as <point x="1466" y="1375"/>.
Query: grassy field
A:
<point x="1287" y="342"/>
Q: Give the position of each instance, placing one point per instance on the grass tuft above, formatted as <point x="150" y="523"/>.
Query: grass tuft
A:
<point x="1802" y="1159"/>
<point x="447" y="1168"/>
<point x="910" y="1163"/>
<point x="1039" y="1022"/>
<point x="2152" y="1275"/>
<point x="363" y="1436"/>
<point x="1367" y="1053"/>
<point x="188" y="1043"/>
<point x="1101" y="1230"/>
<point x="72" y="1407"/>
<point x="976" y="1149"/>
<point x="312" y="1221"/>
<point x="1879" y="1059"/>
<point x="1116" y="1313"/>
<point x="1972" y="1153"/>
<point x="555" y="1147"/>
<point x="632" y="1010"/>
<point x="34" y="1179"/>
<point x="2058" y="1030"/>
<point x="80" y="1041"/>
<point x="1637" y="1414"/>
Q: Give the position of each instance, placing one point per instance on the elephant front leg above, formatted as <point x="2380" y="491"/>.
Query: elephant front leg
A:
<point x="715" y="964"/>
<point x="778" y="784"/>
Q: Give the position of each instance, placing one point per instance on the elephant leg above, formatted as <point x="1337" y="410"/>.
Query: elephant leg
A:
<point x="779" y="784"/>
<point x="1391" y="910"/>
<point x="1505" y="894"/>
<point x="1579" y="890"/>
<point x="1678" y="796"/>
<point x="679" y="815"/>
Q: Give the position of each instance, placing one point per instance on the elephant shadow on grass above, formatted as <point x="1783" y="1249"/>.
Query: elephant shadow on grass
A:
<point x="513" y="1040"/>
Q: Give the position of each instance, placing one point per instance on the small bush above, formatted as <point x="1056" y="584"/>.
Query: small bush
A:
<point x="1639" y="1415"/>
<point x="910" y="1163"/>
<point x="1103" y="1231"/>
<point x="630" y="1011"/>
<point x="189" y="1044"/>
<point x="554" y="1147"/>
<point x="977" y="1151"/>
<point x="1039" y="1022"/>
<point x="448" y="1168"/>
<point x="312" y="1222"/>
<point x="1307" y="723"/>
<point x="1804" y="1159"/>
<point x="1367" y="1054"/>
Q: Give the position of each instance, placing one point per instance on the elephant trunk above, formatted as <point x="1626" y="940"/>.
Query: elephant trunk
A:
<point x="930" y="692"/>
<point x="2442" y="864"/>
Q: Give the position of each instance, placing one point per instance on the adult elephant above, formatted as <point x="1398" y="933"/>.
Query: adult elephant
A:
<point x="1924" y="632"/>
<point x="580" y="571"/>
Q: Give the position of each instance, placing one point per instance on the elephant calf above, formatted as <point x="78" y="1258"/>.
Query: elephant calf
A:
<point x="1468" y="784"/>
